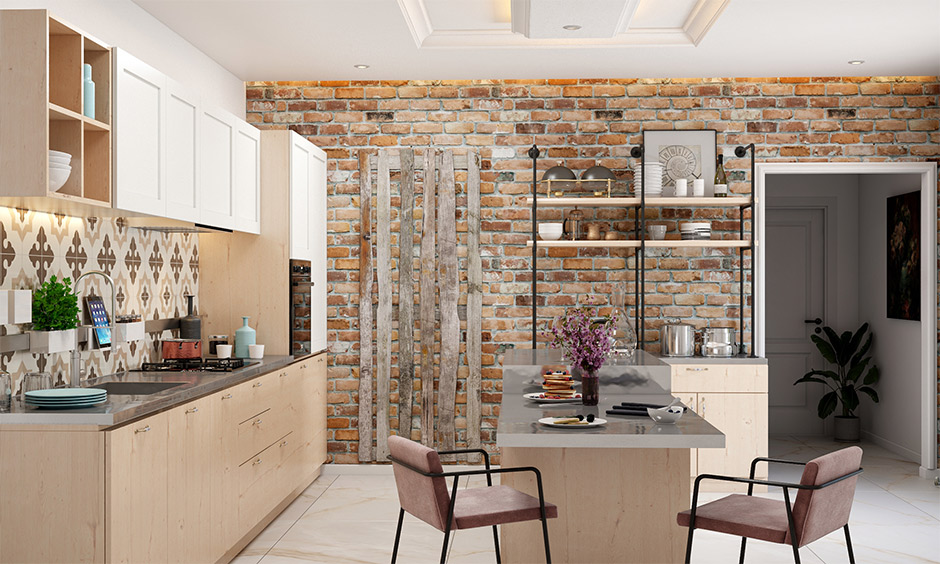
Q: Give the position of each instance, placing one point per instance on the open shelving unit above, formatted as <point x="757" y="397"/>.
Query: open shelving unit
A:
<point x="41" y="85"/>
<point x="745" y="242"/>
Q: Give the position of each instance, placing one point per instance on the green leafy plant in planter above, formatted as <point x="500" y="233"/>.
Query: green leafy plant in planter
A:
<point x="55" y="306"/>
<point x="855" y="372"/>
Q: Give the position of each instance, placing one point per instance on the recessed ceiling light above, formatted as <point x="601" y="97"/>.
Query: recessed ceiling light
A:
<point x="856" y="62"/>
<point x="571" y="27"/>
<point x="361" y="66"/>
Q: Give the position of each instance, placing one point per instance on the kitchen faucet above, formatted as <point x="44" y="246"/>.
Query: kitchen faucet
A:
<point x="75" y="371"/>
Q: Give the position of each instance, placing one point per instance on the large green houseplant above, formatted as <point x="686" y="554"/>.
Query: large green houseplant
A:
<point x="55" y="317"/>
<point x="854" y="373"/>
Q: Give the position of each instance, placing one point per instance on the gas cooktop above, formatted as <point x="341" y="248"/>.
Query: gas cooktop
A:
<point x="194" y="365"/>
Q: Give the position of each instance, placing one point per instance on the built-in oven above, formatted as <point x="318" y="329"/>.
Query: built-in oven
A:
<point x="301" y="286"/>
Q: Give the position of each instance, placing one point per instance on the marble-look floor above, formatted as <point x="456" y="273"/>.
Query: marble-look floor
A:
<point x="351" y="517"/>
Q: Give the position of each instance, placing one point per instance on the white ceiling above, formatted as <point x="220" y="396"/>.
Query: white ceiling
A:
<point x="473" y="39"/>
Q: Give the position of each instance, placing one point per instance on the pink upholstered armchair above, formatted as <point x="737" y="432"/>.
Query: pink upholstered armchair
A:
<point x="823" y="503"/>
<point x="422" y="492"/>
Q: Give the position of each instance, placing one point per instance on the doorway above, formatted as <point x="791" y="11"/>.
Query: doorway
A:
<point x="823" y="280"/>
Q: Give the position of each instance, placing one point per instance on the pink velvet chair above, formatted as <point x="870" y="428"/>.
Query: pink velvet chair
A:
<point x="823" y="503"/>
<point x="422" y="491"/>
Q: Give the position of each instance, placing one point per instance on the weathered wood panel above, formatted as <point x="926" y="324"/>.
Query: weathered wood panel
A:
<point x="428" y="297"/>
<point x="384" y="318"/>
<point x="394" y="161"/>
<point x="365" y="308"/>
<point x="474" y="306"/>
<point x="406" y="295"/>
<point x="449" y="288"/>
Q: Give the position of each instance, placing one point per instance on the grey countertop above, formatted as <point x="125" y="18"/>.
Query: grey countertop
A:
<point x="123" y="408"/>
<point x="646" y="380"/>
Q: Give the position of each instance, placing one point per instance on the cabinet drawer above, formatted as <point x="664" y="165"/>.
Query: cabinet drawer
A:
<point x="721" y="378"/>
<point x="248" y="399"/>
<point x="691" y="377"/>
<point x="263" y="482"/>
<point x="261" y="430"/>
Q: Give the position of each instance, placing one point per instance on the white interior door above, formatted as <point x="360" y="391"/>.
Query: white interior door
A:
<point x="796" y="291"/>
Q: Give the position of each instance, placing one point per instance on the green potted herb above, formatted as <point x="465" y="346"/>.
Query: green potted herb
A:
<point x="55" y="317"/>
<point x="855" y="372"/>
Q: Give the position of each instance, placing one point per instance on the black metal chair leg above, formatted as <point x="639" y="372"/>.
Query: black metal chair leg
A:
<point x="548" y="552"/>
<point x="743" y="545"/>
<point x="848" y="543"/>
<point x="496" y="544"/>
<point x="444" y="548"/>
<point x="401" y="518"/>
<point x="688" y="545"/>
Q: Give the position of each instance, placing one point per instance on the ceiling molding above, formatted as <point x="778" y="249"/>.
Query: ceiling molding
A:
<point x="629" y="10"/>
<point x="703" y="15"/>
<point x="417" y="19"/>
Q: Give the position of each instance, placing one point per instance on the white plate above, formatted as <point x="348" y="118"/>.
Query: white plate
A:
<point x="65" y="393"/>
<point x="550" y="422"/>
<point x="535" y="396"/>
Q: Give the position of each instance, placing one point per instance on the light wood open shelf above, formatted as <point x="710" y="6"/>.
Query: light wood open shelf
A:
<point x="58" y="113"/>
<point x="95" y="125"/>
<point x="666" y="202"/>
<point x="630" y="244"/>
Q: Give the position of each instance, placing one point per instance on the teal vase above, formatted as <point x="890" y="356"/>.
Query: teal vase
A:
<point x="88" y="94"/>
<point x="244" y="336"/>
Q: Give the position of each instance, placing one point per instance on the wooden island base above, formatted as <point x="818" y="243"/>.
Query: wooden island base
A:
<point x="614" y="504"/>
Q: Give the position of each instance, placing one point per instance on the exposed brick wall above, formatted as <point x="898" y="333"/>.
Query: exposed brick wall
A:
<point x="581" y="122"/>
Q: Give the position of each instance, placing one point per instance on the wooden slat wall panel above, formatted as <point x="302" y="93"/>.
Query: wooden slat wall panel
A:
<point x="428" y="297"/>
<point x="365" y="308"/>
<point x="474" y="305"/>
<point x="394" y="160"/>
<point x="449" y="289"/>
<point x="384" y="318"/>
<point x="406" y="297"/>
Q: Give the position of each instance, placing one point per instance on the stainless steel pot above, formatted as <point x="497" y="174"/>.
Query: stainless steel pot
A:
<point x="677" y="339"/>
<point x="718" y="342"/>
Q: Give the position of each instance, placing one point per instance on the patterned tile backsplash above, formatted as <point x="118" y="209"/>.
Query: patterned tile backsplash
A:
<point x="151" y="271"/>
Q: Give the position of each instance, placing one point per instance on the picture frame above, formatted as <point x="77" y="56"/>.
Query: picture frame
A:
<point x="902" y="268"/>
<point x="686" y="154"/>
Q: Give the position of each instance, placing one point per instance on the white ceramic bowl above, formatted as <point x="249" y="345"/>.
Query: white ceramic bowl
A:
<point x="60" y="154"/>
<point x="223" y="351"/>
<point x="550" y="231"/>
<point x="665" y="416"/>
<point x="60" y="166"/>
<point x="58" y="177"/>
<point x="255" y="352"/>
<point x="59" y="160"/>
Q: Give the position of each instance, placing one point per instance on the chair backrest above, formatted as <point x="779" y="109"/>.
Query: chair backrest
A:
<point x="424" y="497"/>
<point x="816" y="513"/>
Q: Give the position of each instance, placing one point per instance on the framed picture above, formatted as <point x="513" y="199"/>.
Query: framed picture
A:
<point x="688" y="154"/>
<point x="903" y="268"/>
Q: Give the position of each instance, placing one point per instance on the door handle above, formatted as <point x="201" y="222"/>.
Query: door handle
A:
<point x="816" y="321"/>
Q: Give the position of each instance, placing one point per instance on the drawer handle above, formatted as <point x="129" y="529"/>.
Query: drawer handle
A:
<point x="227" y="396"/>
<point x="257" y="384"/>
<point x="144" y="430"/>
<point x="193" y="410"/>
<point x="303" y="366"/>
<point x="283" y="443"/>
<point x="256" y="462"/>
<point x="257" y="422"/>
<point x="696" y="369"/>
<point x="703" y="408"/>
<point x="282" y="374"/>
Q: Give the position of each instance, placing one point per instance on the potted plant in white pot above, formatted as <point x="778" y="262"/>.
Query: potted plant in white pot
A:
<point x="55" y="317"/>
<point x="855" y="372"/>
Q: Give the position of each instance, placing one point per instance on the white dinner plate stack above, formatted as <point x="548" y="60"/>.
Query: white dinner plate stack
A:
<point x="60" y="168"/>
<point x="695" y="231"/>
<point x="654" y="180"/>
<point x="66" y="398"/>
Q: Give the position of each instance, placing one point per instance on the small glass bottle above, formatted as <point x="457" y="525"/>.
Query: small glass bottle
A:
<point x="721" y="179"/>
<point x="88" y="92"/>
<point x="624" y="336"/>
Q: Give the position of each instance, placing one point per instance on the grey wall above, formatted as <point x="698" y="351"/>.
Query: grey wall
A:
<point x="896" y="420"/>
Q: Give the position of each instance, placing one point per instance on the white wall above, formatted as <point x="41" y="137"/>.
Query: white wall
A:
<point x="122" y="23"/>
<point x="896" y="420"/>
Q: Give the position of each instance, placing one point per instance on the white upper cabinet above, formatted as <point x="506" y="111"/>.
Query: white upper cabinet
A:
<point x="318" y="267"/>
<point x="182" y="164"/>
<point x="216" y="168"/>
<point x="138" y="130"/>
<point x="301" y="175"/>
<point x="247" y="178"/>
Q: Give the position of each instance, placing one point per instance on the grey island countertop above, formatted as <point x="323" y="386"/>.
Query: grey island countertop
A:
<point x="120" y="408"/>
<point x="644" y="379"/>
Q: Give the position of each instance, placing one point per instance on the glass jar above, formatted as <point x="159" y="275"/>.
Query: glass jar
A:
<point x="624" y="336"/>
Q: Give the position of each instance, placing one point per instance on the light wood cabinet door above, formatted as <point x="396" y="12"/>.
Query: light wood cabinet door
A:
<point x="743" y="420"/>
<point x="193" y="465"/>
<point x="138" y="131"/>
<point x="182" y="152"/>
<point x="136" y="462"/>
<point x="301" y="174"/>
<point x="216" y="174"/>
<point x="247" y="187"/>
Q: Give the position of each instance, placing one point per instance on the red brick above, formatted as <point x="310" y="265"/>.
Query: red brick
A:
<point x="641" y="90"/>
<point x="572" y="91"/>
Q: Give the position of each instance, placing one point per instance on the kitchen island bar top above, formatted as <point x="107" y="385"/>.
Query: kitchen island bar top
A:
<point x="645" y="379"/>
<point x="121" y="408"/>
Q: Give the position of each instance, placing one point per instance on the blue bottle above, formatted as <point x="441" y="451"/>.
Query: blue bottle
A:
<point x="88" y="95"/>
<point x="244" y="336"/>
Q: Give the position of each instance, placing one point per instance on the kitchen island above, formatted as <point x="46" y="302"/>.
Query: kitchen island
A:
<point x="618" y="487"/>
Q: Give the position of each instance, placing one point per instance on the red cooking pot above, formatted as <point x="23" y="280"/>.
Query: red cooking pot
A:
<point x="174" y="349"/>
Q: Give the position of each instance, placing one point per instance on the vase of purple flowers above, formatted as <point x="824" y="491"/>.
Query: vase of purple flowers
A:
<point x="585" y="338"/>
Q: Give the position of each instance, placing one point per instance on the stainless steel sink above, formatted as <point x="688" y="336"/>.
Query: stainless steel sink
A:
<point x="137" y="388"/>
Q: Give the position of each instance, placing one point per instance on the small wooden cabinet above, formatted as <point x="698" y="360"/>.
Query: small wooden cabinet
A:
<point x="733" y="398"/>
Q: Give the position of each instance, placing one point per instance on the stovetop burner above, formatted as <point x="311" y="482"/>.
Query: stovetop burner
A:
<point x="193" y="364"/>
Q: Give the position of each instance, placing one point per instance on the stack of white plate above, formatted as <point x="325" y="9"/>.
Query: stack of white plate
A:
<point x="66" y="398"/>
<point x="695" y="231"/>
<point x="654" y="179"/>
<point x="59" y="169"/>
